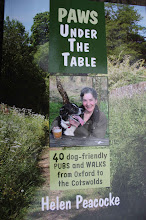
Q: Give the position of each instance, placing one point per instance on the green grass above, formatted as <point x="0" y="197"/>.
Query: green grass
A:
<point x="127" y="153"/>
<point x="124" y="73"/>
<point x="34" y="212"/>
<point x="54" y="108"/>
<point x="71" y="196"/>
<point x="22" y="138"/>
<point x="127" y="127"/>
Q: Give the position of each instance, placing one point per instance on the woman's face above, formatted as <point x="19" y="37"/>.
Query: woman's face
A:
<point x="89" y="102"/>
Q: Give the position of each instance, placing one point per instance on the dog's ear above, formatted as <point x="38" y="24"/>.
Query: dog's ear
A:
<point x="64" y="113"/>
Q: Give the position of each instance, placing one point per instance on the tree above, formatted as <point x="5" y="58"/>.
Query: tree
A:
<point x="122" y="31"/>
<point x="41" y="57"/>
<point x="61" y="90"/>
<point x="132" y="2"/>
<point x="1" y="29"/>
<point x="40" y="29"/>
<point x="21" y="83"/>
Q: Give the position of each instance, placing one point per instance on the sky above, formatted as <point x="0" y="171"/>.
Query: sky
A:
<point x="25" y="10"/>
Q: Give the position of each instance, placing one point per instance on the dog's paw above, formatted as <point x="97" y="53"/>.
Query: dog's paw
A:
<point x="64" y="124"/>
<point x="68" y="132"/>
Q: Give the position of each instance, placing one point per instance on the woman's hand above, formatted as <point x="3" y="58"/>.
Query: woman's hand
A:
<point x="74" y="122"/>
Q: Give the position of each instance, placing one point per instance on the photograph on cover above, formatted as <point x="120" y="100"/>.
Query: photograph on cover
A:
<point x="78" y="111"/>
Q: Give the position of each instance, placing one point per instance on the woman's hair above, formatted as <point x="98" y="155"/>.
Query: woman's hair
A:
<point x="88" y="90"/>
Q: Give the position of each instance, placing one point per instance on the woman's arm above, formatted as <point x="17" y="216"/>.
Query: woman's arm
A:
<point x="99" y="129"/>
<point x="82" y="131"/>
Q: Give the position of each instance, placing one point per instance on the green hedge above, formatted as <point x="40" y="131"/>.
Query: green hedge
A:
<point x="22" y="137"/>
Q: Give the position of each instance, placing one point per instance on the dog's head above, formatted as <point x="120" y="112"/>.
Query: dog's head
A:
<point x="70" y="109"/>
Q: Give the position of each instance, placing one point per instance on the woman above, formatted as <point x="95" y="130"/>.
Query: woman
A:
<point x="95" y="122"/>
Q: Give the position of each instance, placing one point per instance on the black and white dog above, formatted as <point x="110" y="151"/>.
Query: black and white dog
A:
<point x="67" y="112"/>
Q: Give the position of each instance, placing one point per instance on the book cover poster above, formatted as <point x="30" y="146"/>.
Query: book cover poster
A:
<point x="97" y="182"/>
